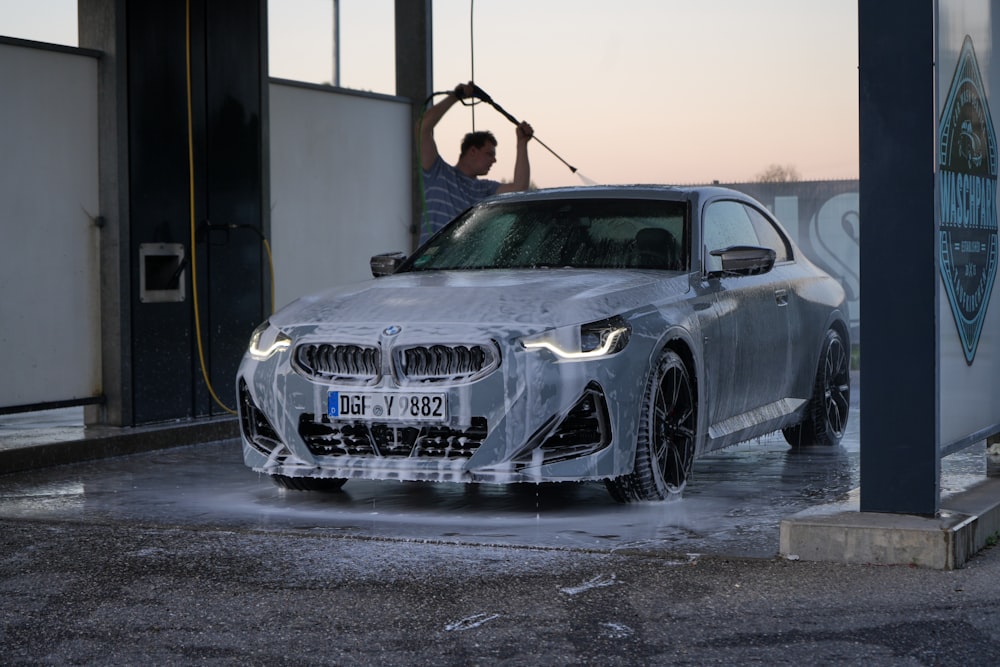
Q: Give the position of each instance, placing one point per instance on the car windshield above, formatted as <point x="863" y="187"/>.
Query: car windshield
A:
<point x="579" y="233"/>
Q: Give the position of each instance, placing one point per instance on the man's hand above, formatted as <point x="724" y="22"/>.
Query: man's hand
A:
<point x="524" y="132"/>
<point x="464" y="90"/>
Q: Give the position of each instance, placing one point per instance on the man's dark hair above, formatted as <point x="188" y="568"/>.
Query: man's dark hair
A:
<point x="477" y="140"/>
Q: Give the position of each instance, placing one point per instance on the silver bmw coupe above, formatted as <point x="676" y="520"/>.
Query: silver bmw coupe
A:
<point x="583" y="334"/>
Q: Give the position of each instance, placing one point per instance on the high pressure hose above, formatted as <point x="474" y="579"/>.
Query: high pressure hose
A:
<point x="481" y="94"/>
<point x="472" y="53"/>
<point x="484" y="97"/>
<point x="194" y="258"/>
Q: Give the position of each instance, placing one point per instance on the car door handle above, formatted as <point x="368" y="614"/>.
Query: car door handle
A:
<point x="781" y="297"/>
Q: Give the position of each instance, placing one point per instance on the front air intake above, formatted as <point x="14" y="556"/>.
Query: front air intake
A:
<point x="257" y="431"/>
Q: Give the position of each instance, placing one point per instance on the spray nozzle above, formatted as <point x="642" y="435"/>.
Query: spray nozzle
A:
<point x="481" y="94"/>
<point x="460" y="93"/>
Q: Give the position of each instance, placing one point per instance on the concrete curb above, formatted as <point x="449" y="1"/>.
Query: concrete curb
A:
<point x="968" y="521"/>
<point x="92" y="443"/>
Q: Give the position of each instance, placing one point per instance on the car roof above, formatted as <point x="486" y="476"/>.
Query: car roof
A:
<point x="635" y="191"/>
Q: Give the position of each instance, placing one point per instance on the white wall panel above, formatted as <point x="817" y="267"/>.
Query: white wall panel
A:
<point x="340" y="185"/>
<point x="49" y="260"/>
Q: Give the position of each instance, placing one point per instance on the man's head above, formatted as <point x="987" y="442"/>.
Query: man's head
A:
<point x="479" y="152"/>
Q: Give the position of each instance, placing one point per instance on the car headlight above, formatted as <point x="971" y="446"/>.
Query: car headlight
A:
<point x="267" y="340"/>
<point x="585" y="341"/>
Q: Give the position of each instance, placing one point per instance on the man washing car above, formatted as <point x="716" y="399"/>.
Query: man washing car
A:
<point x="450" y="189"/>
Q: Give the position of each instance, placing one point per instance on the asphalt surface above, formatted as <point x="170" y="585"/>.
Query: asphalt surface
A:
<point x="125" y="593"/>
<point x="184" y="556"/>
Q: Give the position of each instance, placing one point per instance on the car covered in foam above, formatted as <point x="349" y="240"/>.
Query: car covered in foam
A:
<point x="608" y="334"/>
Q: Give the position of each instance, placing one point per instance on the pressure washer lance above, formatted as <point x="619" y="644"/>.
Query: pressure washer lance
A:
<point x="481" y="94"/>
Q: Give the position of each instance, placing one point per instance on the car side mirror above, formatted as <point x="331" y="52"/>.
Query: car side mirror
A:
<point x="385" y="264"/>
<point x="743" y="260"/>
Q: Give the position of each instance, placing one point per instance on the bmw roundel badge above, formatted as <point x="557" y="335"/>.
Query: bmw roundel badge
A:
<point x="392" y="330"/>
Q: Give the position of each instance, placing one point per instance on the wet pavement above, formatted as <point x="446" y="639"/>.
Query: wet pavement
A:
<point x="723" y="511"/>
<point x="184" y="556"/>
<point x="731" y="507"/>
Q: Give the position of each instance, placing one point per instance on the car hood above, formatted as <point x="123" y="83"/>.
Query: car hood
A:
<point x="525" y="300"/>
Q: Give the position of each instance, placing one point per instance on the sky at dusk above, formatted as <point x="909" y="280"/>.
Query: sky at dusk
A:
<point x="639" y="91"/>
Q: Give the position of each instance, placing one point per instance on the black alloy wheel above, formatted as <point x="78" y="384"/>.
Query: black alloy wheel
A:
<point x="828" y="409"/>
<point x="665" y="444"/>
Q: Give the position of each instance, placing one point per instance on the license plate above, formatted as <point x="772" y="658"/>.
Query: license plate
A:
<point x="422" y="407"/>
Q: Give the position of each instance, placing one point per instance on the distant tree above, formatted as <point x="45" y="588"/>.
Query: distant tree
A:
<point x="777" y="173"/>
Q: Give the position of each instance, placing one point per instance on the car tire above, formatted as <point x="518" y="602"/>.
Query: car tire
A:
<point x="828" y="409"/>
<point x="665" y="442"/>
<point x="308" y="483"/>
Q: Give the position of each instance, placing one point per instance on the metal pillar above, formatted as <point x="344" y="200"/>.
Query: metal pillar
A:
<point x="900" y="466"/>
<point x="414" y="79"/>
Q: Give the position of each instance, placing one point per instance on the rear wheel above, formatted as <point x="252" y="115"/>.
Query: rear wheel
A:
<point x="664" y="450"/>
<point x="826" y="415"/>
<point x="308" y="483"/>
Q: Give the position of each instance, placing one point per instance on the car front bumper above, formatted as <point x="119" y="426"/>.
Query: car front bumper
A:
<point x="534" y="418"/>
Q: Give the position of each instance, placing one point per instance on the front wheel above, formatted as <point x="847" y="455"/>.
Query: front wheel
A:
<point x="826" y="414"/>
<point x="664" y="450"/>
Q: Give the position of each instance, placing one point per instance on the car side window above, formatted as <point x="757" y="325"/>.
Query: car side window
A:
<point x="769" y="236"/>
<point x="726" y="223"/>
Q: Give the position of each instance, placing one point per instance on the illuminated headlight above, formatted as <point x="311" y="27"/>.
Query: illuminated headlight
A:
<point x="585" y="341"/>
<point x="267" y="341"/>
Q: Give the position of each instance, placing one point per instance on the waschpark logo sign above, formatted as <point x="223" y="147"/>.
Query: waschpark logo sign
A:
<point x="968" y="184"/>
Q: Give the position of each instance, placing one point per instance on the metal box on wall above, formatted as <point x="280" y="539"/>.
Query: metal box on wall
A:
<point x="162" y="268"/>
